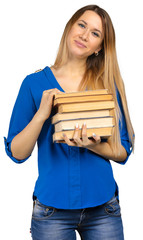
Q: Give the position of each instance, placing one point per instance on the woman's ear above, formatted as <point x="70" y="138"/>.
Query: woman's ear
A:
<point x="97" y="51"/>
<point x="96" y="54"/>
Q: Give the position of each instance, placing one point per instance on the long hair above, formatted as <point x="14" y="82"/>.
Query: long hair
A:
<point x="101" y="69"/>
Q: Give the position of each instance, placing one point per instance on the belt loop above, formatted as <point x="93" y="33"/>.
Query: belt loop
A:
<point x="34" y="202"/>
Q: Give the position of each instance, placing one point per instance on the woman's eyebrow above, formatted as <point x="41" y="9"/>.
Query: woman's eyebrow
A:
<point x="93" y="29"/>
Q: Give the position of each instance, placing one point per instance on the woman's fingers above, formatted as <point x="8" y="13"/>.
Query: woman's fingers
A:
<point x="66" y="139"/>
<point x="97" y="138"/>
<point x="84" y="141"/>
<point x="53" y="89"/>
<point x="84" y="134"/>
<point x="76" y="136"/>
<point x="46" y="103"/>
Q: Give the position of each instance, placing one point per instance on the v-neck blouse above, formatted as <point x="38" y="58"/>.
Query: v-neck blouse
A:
<point x="69" y="177"/>
<point x="51" y="77"/>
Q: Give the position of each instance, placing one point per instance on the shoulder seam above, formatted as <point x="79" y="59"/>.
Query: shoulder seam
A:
<point x="38" y="70"/>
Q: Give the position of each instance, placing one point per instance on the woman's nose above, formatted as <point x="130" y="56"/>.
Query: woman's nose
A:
<point x="84" y="35"/>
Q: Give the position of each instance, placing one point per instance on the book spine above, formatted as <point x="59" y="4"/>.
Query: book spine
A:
<point x="82" y="93"/>
<point x="85" y="106"/>
<point x="102" y="132"/>
<point x="78" y="99"/>
<point x="81" y="115"/>
<point x="91" y="123"/>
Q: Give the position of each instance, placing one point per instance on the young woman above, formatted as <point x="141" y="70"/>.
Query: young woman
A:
<point x="75" y="189"/>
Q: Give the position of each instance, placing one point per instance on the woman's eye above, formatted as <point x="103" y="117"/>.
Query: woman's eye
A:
<point x="95" y="34"/>
<point x="81" y="25"/>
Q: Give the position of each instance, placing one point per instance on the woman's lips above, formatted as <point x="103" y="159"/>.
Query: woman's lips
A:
<point x="80" y="44"/>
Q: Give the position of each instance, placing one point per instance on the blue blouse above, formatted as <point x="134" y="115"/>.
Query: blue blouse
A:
<point x="69" y="177"/>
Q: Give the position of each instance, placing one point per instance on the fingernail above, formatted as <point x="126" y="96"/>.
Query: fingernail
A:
<point x="77" y="125"/>
<point x="84" y="123"/>
<point x="94" y="135"/>
<point x="64" y="135"/>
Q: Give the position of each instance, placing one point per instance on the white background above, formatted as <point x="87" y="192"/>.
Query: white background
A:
<point x="30" y="35"/>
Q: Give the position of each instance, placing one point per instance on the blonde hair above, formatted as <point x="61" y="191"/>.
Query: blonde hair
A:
<point x="101" y="69"/>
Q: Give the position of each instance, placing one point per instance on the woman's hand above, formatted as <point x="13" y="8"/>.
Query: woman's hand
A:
<point x="85" y="141"/>
<point x="45" y="108"/>
<point x="95" y="145"/>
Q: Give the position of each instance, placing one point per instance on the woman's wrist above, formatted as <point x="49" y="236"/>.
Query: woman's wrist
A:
<point x="39" y="118"/>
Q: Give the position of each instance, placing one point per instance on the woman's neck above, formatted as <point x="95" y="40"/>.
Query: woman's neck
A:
<point x="73" y="68"/>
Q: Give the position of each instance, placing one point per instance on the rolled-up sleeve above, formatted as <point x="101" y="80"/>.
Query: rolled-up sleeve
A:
<point x="23" y="112"/>
<point x="123" y="131"/>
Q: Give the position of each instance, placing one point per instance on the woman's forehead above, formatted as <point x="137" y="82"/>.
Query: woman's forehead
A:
<point x="92" y="19"/>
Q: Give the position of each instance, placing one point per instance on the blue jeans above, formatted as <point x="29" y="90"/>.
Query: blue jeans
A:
<point x="97" y="223"/>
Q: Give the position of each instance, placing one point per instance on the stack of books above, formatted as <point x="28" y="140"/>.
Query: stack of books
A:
<point x="93" y="107"/>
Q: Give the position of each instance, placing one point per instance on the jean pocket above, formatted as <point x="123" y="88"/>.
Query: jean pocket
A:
<point x="42" y="212"/>
<point x="112" y="207"/>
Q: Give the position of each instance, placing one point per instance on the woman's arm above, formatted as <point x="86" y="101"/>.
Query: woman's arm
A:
<point x="101" y="148"/>
<point x="23" y="143"/>
<point x="104" y="149"/>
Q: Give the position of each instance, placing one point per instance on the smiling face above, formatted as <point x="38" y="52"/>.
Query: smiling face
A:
<point x="86" y="35"/>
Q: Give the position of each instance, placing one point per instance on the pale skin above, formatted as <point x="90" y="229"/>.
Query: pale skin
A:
<point x="87" y="31"/>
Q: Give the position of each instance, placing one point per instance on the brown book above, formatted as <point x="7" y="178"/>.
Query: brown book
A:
<point x="85" y="106"/>
<point x="86" y="98"/>
<point x="81" y="115"/>
<point x="81" y="93"/>
<point x="102" y="132"/>
<point x="95" y="107"/>
<point x="90" y="123"/>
